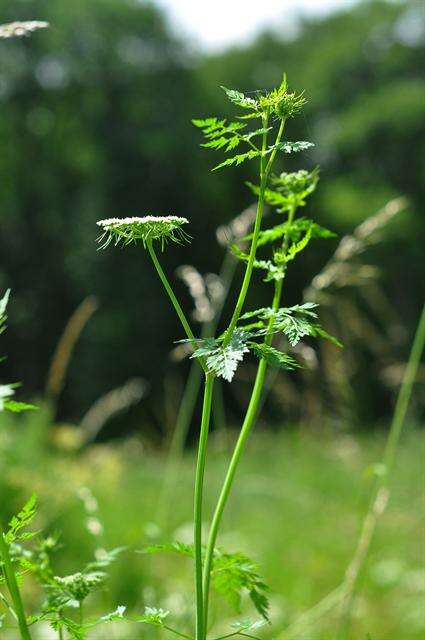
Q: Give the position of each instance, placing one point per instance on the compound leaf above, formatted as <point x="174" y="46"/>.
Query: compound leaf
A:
<point x="22" y="519"/>
<point x="240" y="99"/>
<point x="274" y="357"/>
<point x="293" y="147"/>
<point x="153" y="616"/>
<point x="239" y="159"/>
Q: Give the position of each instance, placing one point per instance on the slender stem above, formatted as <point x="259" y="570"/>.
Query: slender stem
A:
<point x="175" y="302"/>
<point x="7" y="605"/>
<point x="243" y="436"/>
<point x="188" y="401"/>
<point x="177" y="633"/>
<point x="249" y="420"/>
<point x="199" y="484"/>
<point x="12" y="585"/>
<point x="380" y="493"/>
<point x="265" y="168"/>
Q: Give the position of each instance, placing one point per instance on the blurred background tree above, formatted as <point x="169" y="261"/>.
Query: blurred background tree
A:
<point x="95" y="122"/>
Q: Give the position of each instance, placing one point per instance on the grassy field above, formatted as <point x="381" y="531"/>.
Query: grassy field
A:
<point x="296" y="510"/>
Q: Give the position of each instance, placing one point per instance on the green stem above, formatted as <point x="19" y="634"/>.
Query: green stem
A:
<point x="12" y="585"/>
<point x="243" y="436"/>
<point x="175" y="302"/>
<point x="199" y="484"/>
<point x="188" y="401"/>
<point x="380" y="492"/>
<point x="265" y="168"/>
<point x="177" y="633"/>
<point x="248" y="423"/>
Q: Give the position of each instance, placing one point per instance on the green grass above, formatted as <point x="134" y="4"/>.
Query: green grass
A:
<point x="296" y="509"/>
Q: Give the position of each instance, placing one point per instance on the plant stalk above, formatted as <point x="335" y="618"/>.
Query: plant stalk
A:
<point x="189" y="398"/>
<point x="198" y="501"/>
<point x="12" y="585"/>
<point x="171" y="295"/>
<point x="248" y="423"/>
<point x="243" y="436"/>
<point x="265" y="168"/>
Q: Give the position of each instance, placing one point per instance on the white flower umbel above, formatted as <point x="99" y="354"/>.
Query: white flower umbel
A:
<point x="19" y="29"/>
<point x="144" y="229"/>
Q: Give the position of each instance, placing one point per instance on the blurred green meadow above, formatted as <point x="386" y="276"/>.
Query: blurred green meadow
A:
<point x="297" y="508"/>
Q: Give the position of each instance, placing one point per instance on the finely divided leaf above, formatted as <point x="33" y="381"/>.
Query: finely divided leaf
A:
<point x="223" y="361"/>
<point x="17" y="407"/>
<point x="318" y="331"/>
<point x="21" y="520"/>
<point x="153" y="616"/>
<point x="173" y="547"/>
<point x="290" y="147"/>
<point x="274" y="357"/>
<point x="248" y="624"/>
<point x="118" y="614"/>
<point x="3" y="304"/>
<point x="240" y="99"/>
<point x="233" y="574"/>
<point x="239" y="159"/>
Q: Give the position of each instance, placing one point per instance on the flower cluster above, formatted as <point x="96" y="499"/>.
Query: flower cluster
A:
<point x="19" y="29"/>
<point x="144" y="229"/>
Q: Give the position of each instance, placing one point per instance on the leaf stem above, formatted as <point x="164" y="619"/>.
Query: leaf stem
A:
<point x="177" y="633"/>
<point x="13" y="588"/>
<point x="243" y="436"/>
<point x="249" y="420"/>
<point x="199" y="484"/>
<point x="175" y="302"/>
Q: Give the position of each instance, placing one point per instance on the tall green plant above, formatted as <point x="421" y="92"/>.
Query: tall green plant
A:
<point x="258" y="134"/>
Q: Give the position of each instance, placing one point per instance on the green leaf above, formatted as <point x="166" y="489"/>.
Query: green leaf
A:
<point x="170" y="547"/>
<point x="21" y="520"/>
<point x="292" y="147"/>
<point x="294" y="231"/>
<point x="240" y="99"/>
<point x="232" y="574"/>
<point x="105" y="560"/>
<point x="118" y="614"/>
<point x="299" y="246"/>
<point x="6" y="391"/>
<point x="248" y="624"/>
<point x="3" y="304"/>
<point x="318" y="331"/>
<point x="274" y="272"/>
<point x="153" y="616"/>
<point x="239" y="159"/>
<point x="293" y="327"/>
<point x="17" y="407"/>
<point x="274" y="357"/>
<point x="223" y="361"/>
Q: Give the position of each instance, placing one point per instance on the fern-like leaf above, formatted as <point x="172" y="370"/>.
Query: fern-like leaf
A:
<point x="153" y="616"/>
<point x="239" y="159"/>
<point x="170" y="547"/>
<point x="274" y="357"/>
<point x="240" y="99"/>
<point x="21" y="520"/>
<point x="233" y="574"/>
<point x="292" y="147"/>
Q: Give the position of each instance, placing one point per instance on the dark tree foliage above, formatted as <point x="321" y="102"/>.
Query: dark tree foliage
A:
<point x="95" y="122"/>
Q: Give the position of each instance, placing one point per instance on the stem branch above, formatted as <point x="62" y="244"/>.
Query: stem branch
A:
<point x="175" y="302"/>
<point x="12" y="585"/>
<point x="199" y="483"/>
